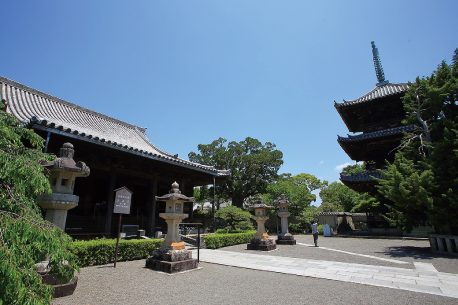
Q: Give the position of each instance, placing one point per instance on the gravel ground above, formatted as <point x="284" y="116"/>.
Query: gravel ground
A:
<point x="403" y="250"/>
<point x="131" y="283"/>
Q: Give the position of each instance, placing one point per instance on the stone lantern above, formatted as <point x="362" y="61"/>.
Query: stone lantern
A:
<point x="261" y="240"/>
<point x="284" y="238"/>
<point x="64" y="171"/>
<point x="172" y="256"/>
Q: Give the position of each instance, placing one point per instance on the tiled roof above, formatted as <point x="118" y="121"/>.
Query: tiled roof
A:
<point x="361" y="177"/>
<point x="376" y="93"/>
<point x="377" y="134"/>
<point x="31" y="106"/>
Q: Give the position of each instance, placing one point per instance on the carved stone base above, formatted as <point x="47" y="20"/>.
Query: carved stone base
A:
<point x="286" y="239"/>
<point x="171" y="261"/>
<point x="261" y="244"/>
<point x="171" y="267"/>
<point x="60" y="290"/>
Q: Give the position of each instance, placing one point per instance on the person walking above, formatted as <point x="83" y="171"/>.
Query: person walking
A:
<point x="315" y="232"/>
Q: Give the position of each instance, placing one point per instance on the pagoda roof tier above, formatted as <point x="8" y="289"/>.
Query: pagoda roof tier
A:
<point x="366" y="176"/>
<point x="380" y="107"/>
<point x="46" y="112"/>
<point x="376" y="134"/>
<point x="376" y="93"/>
<point x="374" y="146"/>
<point x="361" y="182"/>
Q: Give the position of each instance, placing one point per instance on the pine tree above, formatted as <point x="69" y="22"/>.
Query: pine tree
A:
<point x="423" y="181"/>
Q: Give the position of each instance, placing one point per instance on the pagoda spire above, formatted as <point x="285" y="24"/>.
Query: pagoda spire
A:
<point x="378" y="66"/>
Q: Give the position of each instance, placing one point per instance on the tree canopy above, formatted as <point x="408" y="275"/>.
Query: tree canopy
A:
<point x="298" y="189"/>
<point x="337" y="197"/>
<point x="25" y="237"/>
<point x="423" y="180"/>
<point x="253" y="166"/>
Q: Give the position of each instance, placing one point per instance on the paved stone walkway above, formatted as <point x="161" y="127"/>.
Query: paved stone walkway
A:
<point x="424" y="278"/>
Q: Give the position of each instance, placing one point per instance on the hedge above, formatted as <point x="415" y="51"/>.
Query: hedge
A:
<point x="102" y="251"/>
<point x="216" y="241"/>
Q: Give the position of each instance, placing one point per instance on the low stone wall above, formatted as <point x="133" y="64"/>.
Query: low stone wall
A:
<point x="444" y="243"/>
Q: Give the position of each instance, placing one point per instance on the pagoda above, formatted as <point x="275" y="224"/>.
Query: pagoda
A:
<point x="376" y="118"/>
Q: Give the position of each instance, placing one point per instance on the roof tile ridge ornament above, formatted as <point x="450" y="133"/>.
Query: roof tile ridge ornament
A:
<point x="378" y="66"/>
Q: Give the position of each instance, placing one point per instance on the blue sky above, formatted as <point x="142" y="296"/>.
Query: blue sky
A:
<point x="194" y="71"/>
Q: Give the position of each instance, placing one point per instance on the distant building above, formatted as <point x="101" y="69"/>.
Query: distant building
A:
<point x="118" y="154"/>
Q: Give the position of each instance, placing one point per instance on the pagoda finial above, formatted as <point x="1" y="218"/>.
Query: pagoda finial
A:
<point x="378" y="66"/>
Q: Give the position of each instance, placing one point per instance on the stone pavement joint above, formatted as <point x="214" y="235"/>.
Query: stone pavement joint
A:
<point x="424" y="278"/>
<point x="358" y="254"/>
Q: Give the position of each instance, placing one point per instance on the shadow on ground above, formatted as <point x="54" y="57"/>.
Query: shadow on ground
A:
<point x="410" y="251"/>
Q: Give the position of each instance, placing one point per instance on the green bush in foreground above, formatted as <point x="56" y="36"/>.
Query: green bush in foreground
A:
<point x="216" y="241"/>
<point x="226" y="231"/>
<point x="25" y="237"/>
<point x="102" y="251"/>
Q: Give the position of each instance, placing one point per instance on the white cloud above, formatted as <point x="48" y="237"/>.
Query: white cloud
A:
<point x="339" y="168"/>
<point x="321" y="162"/>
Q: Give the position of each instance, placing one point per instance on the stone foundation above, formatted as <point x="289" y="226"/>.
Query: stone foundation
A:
<point x="171" y="261"/>
<point x="261" y="244"/>
<point x="286" y="239"/>
<point x="60" y="290"/>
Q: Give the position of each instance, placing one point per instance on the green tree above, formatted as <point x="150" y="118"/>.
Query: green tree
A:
<point x="353" y="169"/>
<point x="235" y="217"/>
<point x="298" y="189"/>
<point x="337" y="197"/>
<point x="308" y="215"/>
<point x="426" y="167"/>
<point x="201" y="195"/>
<point x="252" y="166"/>
<point x="25" y="237"/>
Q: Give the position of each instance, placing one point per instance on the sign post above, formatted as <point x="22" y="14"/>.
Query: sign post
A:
<point x="122" y="202"/>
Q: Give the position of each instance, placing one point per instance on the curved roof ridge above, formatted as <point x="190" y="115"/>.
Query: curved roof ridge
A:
<point x="64" y="102"/>
<point x="376" y="93"/>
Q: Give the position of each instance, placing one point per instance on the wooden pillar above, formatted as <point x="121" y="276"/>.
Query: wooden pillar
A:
<point x="183" y="187"/>
<point x="152" y="210"/>
<point x="110" y="199"/>
<point x="88" y="204"/>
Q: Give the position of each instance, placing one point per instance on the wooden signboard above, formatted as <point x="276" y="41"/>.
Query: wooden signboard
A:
<point x="121" y="206"/>
<point x="122" y="201"/>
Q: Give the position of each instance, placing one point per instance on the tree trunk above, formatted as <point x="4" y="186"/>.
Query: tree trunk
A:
<point x="237" y="201"/>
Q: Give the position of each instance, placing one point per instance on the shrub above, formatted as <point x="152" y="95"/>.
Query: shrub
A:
<point x="295" y="227"/>
<point x="320" y="230"/>
<point x="227" y="231"/>
<point x="216" y="241"/>
<point x="235" y="217"/>
<point x="102" y="251"/>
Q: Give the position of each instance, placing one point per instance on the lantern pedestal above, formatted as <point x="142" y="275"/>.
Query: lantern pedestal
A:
<point x="171" y="261"/>
<point x="261" y="240"/>
<point x="285" y="238"/>
<point x="172" y="257"/>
